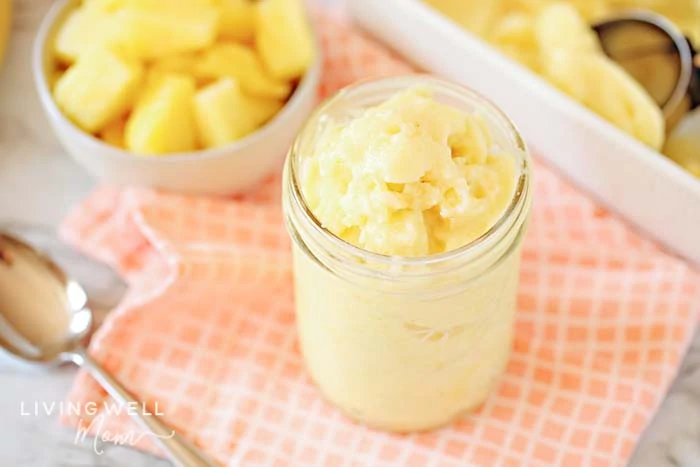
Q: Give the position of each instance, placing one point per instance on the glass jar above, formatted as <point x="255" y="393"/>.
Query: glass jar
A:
<point x="406" y="344"/>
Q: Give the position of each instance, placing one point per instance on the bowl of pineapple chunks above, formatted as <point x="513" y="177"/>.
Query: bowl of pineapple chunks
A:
<point x="191" y="96"/>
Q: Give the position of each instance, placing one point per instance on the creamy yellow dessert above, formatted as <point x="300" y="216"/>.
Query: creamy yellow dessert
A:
<point x="407" y="340"/>
<point x="410" y="177"/>
<point x="554" y="39"/>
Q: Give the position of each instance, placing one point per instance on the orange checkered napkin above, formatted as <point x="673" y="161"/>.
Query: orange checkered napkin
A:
<point x="207" y="329"/>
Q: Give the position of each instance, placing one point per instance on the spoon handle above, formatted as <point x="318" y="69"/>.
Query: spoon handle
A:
<point x="181" y="452"/>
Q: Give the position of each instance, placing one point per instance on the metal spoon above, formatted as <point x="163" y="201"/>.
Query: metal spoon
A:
<point x="44" y="319"/>
<point x="655" y="52"/>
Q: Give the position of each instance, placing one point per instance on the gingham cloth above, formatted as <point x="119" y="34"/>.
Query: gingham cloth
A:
<point x="207" y="330"/>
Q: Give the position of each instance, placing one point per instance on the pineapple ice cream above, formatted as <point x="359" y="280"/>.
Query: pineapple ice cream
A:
<point x="410" y="177"/>
<point x="413" y="325"/>
<point x="553" y="38"/>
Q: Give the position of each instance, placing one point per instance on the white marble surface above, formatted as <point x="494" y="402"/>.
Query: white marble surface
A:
<point x="38" y="184"/>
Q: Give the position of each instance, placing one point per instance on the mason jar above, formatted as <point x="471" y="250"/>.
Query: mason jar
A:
<point x="403" y="343"/>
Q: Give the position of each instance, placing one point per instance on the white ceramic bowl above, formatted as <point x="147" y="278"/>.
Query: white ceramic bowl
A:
<point x="226" y="170"/>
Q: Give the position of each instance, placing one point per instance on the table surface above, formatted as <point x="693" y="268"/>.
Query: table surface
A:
<point x="39" y="184"/>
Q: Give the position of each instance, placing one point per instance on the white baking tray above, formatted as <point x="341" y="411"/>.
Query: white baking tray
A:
<point x="646" y="188"/>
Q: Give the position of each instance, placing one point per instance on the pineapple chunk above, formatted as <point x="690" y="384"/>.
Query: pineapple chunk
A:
<point x="262" y="110"/>
<point x="54" y="76"/>
<point x="98" y="88"/>
<point x="114" y="133"/>
<point x="231" y="60"/>
<point x="237" y="19"/>
<point x="148" y="34"/>
<point x="113" y="5"/>
<point x="103" y="5"/>
<point x="224" y="114"/>
<point x="84" y="28"/>
<point x="163" y="119"/>
<point x="178" y="63"/>
<point x="284" y="38"/>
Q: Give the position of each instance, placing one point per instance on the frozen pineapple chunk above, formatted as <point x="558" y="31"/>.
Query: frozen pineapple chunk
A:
<point x="84" y="28"/>
<point x="150" y="33"/>
<point x="114" y="133"/>
<point x="237" y="19"/>
<point x="98" y="88"/>
<point x="231" y="60"/>
<point x="163" y="119"/>
<point x="284" y="38"/>
<point x="224" y="114"/>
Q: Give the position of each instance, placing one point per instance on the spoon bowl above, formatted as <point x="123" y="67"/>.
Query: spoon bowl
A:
<point x="37" y="271"/>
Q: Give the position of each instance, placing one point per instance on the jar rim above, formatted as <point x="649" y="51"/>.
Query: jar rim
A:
<point x="500" y="228"/>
